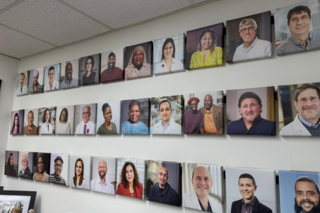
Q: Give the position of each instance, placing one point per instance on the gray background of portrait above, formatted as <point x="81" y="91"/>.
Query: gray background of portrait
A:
<point x="40" y="77"/>
<point x="147" y="46"/>
<point x="57" y="74"/>
<point x="53" y="117"/>
<point x="75" y="70"/>
<point x="144" y="110"/>
<point x="111" y="172"/>
<point x="115" y="108"/>
<point x="15" y="155"/>
<point x="35" y="116"/>
<point x="95" y="68"/>
<point x="86" y="166"/>
<point x="65" y="169"/>
<point x="71" y="111"/>
<point x="21" y="120"/>
<point x="78" y="114"/>
<point x="30" y="161"/>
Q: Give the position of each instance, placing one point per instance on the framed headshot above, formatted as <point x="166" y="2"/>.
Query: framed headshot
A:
<point x="52" y="75"/>
<point x="85" y="119"/>
<point x="108" y="117"/>
<point x="89" y="69"/>
<point x="201" y="180"/>
<point x="112" y="66"/>
<point x="17" y="201"/>
<point x="164" y="182"/>
<point x="41" y="166"/>
<point x="255" y="187"/>
<point x="131" y="177"/>
<point x="297" y="28"/>
<point x="168" y="54"/>
<point x="47" y="120"/>
<point x="25" y="165"/>
<point x="297" y="115"/>
<point x="80" y="172"/>
<point x="205" y="47"/>
<point x="36" y="81"/>
<point x="70" y="75"/>
<point x="299" y="191"/>
<point x="166" y="115"/>
<point x="251" y="111"/>
<point x="31" y="120"/>
<point x="17" y="121"/>
<point x="204" y="113"/>
<point x="249" y="38"/>
<point x="138" y="60"/>
<point x="22" y="83"/>
<point x="59" y="169"/>
<point x="11" y="163"/>
<point x="135" y="116"/>
<point x="103" y="173"/>
<point x="65" y="120"/>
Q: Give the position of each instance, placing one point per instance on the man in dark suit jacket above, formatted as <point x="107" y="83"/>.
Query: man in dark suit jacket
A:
<point x="214" y="124"/>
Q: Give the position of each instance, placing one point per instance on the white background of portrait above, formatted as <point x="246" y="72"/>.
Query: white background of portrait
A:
<point x="65" y="168"/>
<point x="30" y="160"/>
<point x="115" y="108"/>
<point x="119" y="59"/>
<point x="86" y="165"/>
<point x="57" y="74"/>
<point x="70" y="116"/>
<point x="78" y="114"/>
<point x="24" y="199"/>
<point x="40" y="78"/>
<point x="35" y="116"/>
<point x="111" y="165"/>
<point x="75" y="69"/>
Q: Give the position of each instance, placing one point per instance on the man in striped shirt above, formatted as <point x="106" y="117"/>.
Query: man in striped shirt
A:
<point x="56" y="176"/>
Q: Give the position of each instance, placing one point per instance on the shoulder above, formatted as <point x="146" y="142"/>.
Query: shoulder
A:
<point x="235" y="123"/>
<point x="267" y="122"/>
<point x="126" y="123"/>
<point x="142" y="124"/>
<point x="263" y="208"/>
<point x="264" y="42"/>
<point x="314" y="34"/>
<point x="147" y="65"/>
<point x="198" y="53"/>
<point x="219" y="49"/>
<point x="287" y="129"/>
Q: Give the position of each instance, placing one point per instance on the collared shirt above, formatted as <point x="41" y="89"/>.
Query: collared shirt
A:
<point x="66" y="84"/>
<point x="90" y="128"/>
<point x="54" y="86"/>
<point x="22" y="90"/>
<point x="202" y="208"/>
<point x="164" y="128"/>
<point x="161" y="68"/>
<point x="258" y="49"/>
<point x="247" y="207"/>
<point x="34" y="130"/>
<point x="97" y="186"/>
<point x="307" y="123"/>
<point x="209" y="125"/>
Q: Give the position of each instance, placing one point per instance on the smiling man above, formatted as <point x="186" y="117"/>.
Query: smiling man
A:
<point x="307" y="196"/>
<point x="101" y="184"/>
<point x="86" y="127"/>
<point x="112" y="73"/>
<point x="252" y="47"/>
<point x="31" y="129"/>
<point x="56" y="176"/>
<point x="68" y="81"/>
<point x="22" y="89"/>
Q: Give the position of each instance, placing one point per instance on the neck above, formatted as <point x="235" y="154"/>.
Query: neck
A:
<point x="51" y="82"/>
<point x="313" y="120"/>
<point x="205" y="51"/>
<point x="78" y="178"/>
<point x="47" y="122"/>
<point x="131" y="184"/>
<point x="247" y="44"/>
<point x="248" y="200"/>
<point x="21" y="85"/>
<point x="111" y="68"/>
<point x="168" y="60"/>
<point x="57" y="175"/>
<point x="107" y="123"/>
<point x="69" y="80"/>
<point x="248" y="124"/>
<point x="62" y="122"/>
<point x="103" y="180"/>
<point x="30" y="127"/>
<point x="164" y="123"/>
<point x="209" y="108"/>
<point x="162" y="186"/>
<point x="203" y="199"/>
<point x="301" y="38"/>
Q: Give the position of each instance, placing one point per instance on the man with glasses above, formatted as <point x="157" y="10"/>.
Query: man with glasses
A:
<point x="86" y="126"/>
<point x="162" y="192"/>
<point x="252" y="47"/>
<point x="307" y="120"/>
<point x="56" y="176"/>
<point x="53" y="84"/>
<point x="25" y="171"/>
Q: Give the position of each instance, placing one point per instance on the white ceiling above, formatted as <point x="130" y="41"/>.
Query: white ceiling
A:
<point x="28" y="27"/>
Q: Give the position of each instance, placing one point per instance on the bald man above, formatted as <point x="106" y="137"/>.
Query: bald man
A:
<point x="162" y="192"/>
<point x="101" y="184"/>
<point x="199" y="198"/>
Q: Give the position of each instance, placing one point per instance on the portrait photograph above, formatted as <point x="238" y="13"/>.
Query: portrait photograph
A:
<point x="65" y="120"/>
<point x="69" y="74"/>
<point x="138" y="60"/>
<point x="255" y="187"/>
<point x="11" y="163"/>
<point x="59" y="169"/>
<point x="166" y="115"/>
<point x="131" y="177"/>
<point x="103" y="175"/>
<point x="22" y="83"/>
<point x="17" y="122"/>
<point x="36" y="81"/>
<point x="299" y="109"/>
<point x="251" y="111"/>
<point x="47" y="120"/>
<point x="204" y="113"/>
<point x="52" y="75"/>
<point x="85" y="119"/>
<point x="164" y="182"/>
<point x="168" y="54"/>
<point x="80" y="172"/>
<point x="135" y="116"/>
<point x="202" y="187"/>
<point x="25" y="165"/>
<point x="31" y="120"/>
<point x="112" y="66"/>
<point x="41" y="166"/>
<point x="249" y="38"/>
<point x="89" y="69"/>
<point x="299" y="191"/>
<point x="108" y="117"/>
<point x="14" y="203"/>
<point x="205" y="47"/>
<point x="297" y="27"/>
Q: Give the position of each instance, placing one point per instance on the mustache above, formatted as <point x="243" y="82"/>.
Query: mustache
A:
<point x="308" y="108"/>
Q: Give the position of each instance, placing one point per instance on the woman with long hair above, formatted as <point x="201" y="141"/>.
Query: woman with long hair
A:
<point x="78" y="180"/>
<point x="16" y="125"/>
<point x="9" y="170"/>
<point x="89" y="76"/>
<point x="64" y="126"/>
<point x="46" y="126"/>
<point x="41" y="174"/>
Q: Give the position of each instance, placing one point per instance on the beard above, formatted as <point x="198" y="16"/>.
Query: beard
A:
<point x="111" y="65"/>
<point x="299" y="209"/>
<point x="102" y="175"/>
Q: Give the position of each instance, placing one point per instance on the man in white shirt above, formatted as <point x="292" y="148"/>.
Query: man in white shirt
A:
<point x="22" y="90"/>
<point x="86" y="126"/>
<point x="53" y="84"/>
<point x="101" y="184"/>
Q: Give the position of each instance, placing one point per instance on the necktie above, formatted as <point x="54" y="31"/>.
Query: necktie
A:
<point x="85" y="129"/>
<point x="21" y="89"/>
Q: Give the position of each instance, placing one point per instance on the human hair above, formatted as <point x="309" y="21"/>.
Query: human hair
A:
<point x="18" y="125"/>
<point x="105" y="106"/>
<point x="112" y="54"/>
<point x="249" y="95"/>
<point x="92" y="61"/>
<point x="88" y="108"/>
<point x="303" y="88"/>
<point x="307" y="179"/>
<point x="248" y="21"/>
<point x="163" y="101"/>
<point x="51" y="68"/>
<point x="9" y="159"/>
<point x="23" y="74"/>
<point x="168" y="40"/>
<point x="134" y="102"/>
<point x="124" y="179"/>
<point x="75" y="174"/>
<point x="64" y="109"/>
<point x="17" y="209"/>
<point x="44" y="115"/>
<point x="214" y="40"/>
<point x="298" y="10"/>
<point x="246" y="175"/>
<point x="36" y="73"/>
<point x="41" y="156"/>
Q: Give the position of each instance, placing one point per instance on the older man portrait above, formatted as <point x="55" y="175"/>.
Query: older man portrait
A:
<point x="22" y="89"/>
<point x="86" y="126"/>
<point x="69" y="81"/>
<point x="56" y="176"/>
<point x="101" y="184"/>
<point x="31" y="129"/>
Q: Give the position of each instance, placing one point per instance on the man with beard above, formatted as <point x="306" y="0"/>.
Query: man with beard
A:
<point x="25" y="171"/>
<point x="307" y="196"/>
<point x="307" y="121"/>
<point x="31" y="129"/>
<point x="56" y="176"/>
<point x="22" y="89"/>
<point x="101" y="184"/>
<point x="162" y="192"/>
<point x="112" y="73"/>
<point x="212" y="116"/>
<point x="68" y="81"/>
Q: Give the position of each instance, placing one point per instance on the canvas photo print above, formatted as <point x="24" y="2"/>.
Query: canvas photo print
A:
<point x="17" y="121"/>
<point x="65" y="120"/>
<point x="108" y="117"/>
<point x="22" y="83"/>
<point x="41" y="166"/>
<point x="112" y="66"/>
<point x="52" y="75"/>
<point x="59" y="169"/>
<point x="31" y="120"/>
<point x="80" y="172"/>
<point x="11" y="163"/>
<point x="14" y="203"/>
<point x="36" y="81"/>
<point x="85" y="119"/>
<point x="47" y="120"/>
<point x="69" y="74"/>
<point x="26" y="165"/>
<point x="89" y="69"/>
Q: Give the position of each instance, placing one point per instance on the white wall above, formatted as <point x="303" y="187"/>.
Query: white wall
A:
<point x="290" y="153"/>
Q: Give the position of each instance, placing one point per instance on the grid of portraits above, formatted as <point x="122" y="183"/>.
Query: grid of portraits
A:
<point x="11" y="163"/>
<point x="41" y="166"/>
<point x="59" y="169"/>
<point x="25" y="165"/>
<point x="47" y="120"/>
<point x="31" y="119"/>
<point x="69" y="74"/>
<point x="52" y="75"/>
<point x="22" y="83"/>
<point x="85" y="119"/>
<point x="112" y="66"/>
<point x="65" y="120"/>
<point x="80" y="172"/>
<point x="89" y="69"/>
<point x="17" y="121"/>
<point x="36" y="81"/>
<point x="108" y="117"/>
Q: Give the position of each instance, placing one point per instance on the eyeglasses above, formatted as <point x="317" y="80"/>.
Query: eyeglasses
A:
<point x="247" y="29"/>
<point x="305" y="100"/>
<point x="161" y="174"/>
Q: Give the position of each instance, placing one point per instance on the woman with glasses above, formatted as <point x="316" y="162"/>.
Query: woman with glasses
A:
<point x="41" y="174"/>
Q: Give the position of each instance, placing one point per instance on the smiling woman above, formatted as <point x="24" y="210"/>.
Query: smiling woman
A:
<point x="42" y="162"/>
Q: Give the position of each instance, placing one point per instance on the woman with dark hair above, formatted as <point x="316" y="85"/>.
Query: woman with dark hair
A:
<point x="168" y="62"/>
<point x="193" y="118"/>
<point x="9" y="170"/>
<point x="78" y="180"/>
<point x="107" y="127"/>
<point x="89" y="76"/>
<point x="138" y="66"/>
<point x="208" y="54"/>
<point x="130" y="185"/>
<point x="41" y="174"/>
<point x="15" y="126"/>
<point x="46" y="126"/>
<point x="63" y="126"/>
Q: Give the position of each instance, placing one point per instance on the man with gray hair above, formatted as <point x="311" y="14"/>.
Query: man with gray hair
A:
<point x="252" y="47"/>
<point x="86" y="126"/>
<point x="101" y="184"/>
<point x="35" y="87"/>
<point x="31" y="211"/>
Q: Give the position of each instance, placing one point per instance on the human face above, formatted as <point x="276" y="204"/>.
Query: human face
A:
<point x="107" y="115"/>
<point x="16" y="120"/>
<point x="63" y="116"/>
<point x="138" y="58"/>
<point x="299" y="24"/>
<point x="78" y="168"/>
<point x="30" y="119"/>
<point x="306" y="195"/>
<point x="51" y="75"/>
<point x="163" y="176"/>
<point x="165" y="111"/>
<point x="201" y="181"/>
<point x="208" y="102"/>
<point x="40" y="164"/>
<point x="250" y="109"/>
<point x="86" y="115"/>
<point x="58" y="167"/>
<point x="89" y="65"/>
<point x="206" y="41"/>
<point x="168" y="50"/>
<point x="111" y="62"/>
<point x="247" y="189"/>
<point x="47" y="115"/>
<point x="11" y="160"/>
<point x="308" y="105"/>
<point x="129" y="173"/>
<point x="35" y="79"/>
<point x="194" y="106"/>
<point x="24" y="164"/>
<point x="21" y="80"/>
<point x="102" y="169"/>
<point x="69" y="72"/>
<point x="248" y="33"/>
<point x="134" y="114"/>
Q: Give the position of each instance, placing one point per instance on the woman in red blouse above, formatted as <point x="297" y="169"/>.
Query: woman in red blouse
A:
<point x="130" y="185"/>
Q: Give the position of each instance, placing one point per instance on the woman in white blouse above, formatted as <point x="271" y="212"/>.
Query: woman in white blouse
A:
<point x="78" y="180"/>
<point x="46" y="126"/>
<point x="64" y="127"/>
